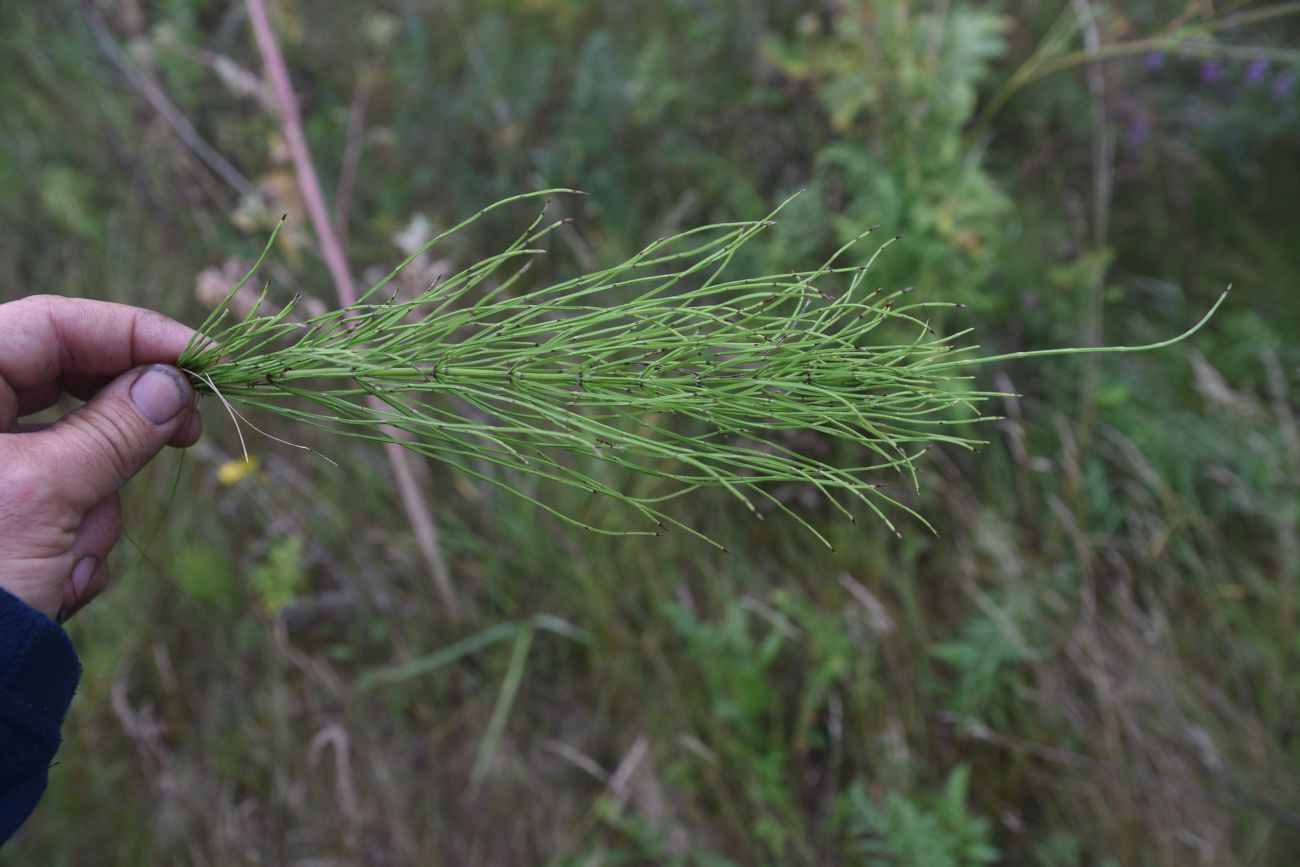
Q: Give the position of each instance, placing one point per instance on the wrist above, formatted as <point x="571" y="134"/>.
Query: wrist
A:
<point x="34" y="594"/>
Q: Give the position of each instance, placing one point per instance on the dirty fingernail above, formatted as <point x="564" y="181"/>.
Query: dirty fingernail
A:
<point x="159" y="394"/>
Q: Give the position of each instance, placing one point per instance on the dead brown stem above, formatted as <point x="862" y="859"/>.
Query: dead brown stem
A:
<point x="417" y="509"/>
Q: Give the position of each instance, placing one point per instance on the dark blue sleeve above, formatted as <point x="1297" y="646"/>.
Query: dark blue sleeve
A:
<point x="39" y="672"/>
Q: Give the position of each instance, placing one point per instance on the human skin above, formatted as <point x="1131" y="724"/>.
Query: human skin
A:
<point x="60" y="513"/>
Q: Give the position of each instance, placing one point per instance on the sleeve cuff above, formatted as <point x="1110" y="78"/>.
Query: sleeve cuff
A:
<point x="39" y="672"/>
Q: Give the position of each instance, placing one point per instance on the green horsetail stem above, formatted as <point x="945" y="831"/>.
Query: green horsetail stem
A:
<point x="662" y="364"/>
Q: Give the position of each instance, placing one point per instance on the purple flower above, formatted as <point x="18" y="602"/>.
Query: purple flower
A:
<point x="1137" y="131"/>
<point x="1256" y="72"/>
<point x="1282" y="85"/>
<point x="1211" y="71"/>
<point x="1155" y="60"/>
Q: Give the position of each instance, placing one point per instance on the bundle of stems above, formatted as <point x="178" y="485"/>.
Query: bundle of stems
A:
<point x="665" y="364"/>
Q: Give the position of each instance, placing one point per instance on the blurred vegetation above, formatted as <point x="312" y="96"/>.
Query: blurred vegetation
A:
<point x="1093" y="663"/>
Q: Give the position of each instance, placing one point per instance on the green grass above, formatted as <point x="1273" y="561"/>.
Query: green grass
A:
<point x="1090" y="661"/>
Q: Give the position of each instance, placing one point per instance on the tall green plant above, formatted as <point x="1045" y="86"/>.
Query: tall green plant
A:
<point x="696" y="380"/>
<point x="898" y="83"/>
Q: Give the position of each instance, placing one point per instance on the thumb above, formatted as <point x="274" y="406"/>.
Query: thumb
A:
<point x="96" y="449"/>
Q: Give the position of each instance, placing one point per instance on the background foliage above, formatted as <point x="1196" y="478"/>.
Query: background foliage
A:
<point x="1092" y="663"/>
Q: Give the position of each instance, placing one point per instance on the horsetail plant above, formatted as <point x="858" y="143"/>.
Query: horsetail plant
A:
<point x="663" y="364"/>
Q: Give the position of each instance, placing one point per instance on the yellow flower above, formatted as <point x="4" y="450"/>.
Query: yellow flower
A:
<point x="234" y="472"/>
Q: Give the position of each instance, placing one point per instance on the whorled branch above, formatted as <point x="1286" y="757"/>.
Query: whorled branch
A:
<point x="663" y="364"/>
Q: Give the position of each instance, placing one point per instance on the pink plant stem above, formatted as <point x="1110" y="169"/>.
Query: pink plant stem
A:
<point x="417" y="510"/>
<point x="303" y="165"/>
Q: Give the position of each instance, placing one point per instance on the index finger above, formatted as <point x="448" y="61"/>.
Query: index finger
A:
<point x="44" y="337"/>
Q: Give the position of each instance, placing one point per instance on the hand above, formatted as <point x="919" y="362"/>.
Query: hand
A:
<point x="59" y="509"/>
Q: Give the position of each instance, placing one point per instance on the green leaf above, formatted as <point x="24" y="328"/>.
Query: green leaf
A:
<point x="505" y="700"/>
<point x="280" y="577"/>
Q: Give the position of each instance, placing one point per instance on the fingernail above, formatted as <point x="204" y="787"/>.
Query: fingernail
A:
<point x="159" y="394"/>
<point x="81" y="575"/>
